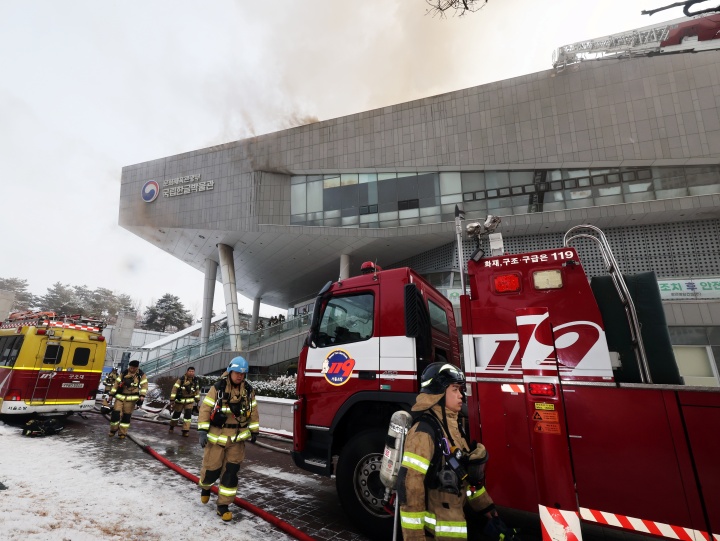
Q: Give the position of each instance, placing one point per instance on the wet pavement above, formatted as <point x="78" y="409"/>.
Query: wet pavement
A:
<point x="268" y="478"/>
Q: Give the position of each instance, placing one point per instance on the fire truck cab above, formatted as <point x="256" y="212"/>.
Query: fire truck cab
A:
<point x="371" y="336"/>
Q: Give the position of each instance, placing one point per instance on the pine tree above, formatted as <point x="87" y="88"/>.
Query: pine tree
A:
<point x="166" y="313"/>
<point x="24" y="300"/>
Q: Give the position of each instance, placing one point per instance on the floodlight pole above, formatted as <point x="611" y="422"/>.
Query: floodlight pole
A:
<point x="459" y="217"/>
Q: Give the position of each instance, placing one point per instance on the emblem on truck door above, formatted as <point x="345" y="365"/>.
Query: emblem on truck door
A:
<point x="338" y="367"/>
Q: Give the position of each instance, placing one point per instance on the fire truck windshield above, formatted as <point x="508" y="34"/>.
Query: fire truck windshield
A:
<point x="346" y="319"/>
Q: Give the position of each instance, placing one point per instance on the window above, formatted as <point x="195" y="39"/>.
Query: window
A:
<point x="438" y="317"/>
<point x="53" y="354"/>
<point x="9" y="348"/>
<point x="347" y="319"/>
<point x="81" y="357"/>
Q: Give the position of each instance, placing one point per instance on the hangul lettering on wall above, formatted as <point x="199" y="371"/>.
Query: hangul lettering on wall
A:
<point x="166" y="193"/>
<point x="534" y="258"/>
<point x="676" y="286"/>
<point x="495" y="262"/>
<point x="487" y="263"/>
<point x="543" y="257"/>
<point x="514" y="260"/>
<point x="706" y="286"/>
<point x="173" y="192"/>
<point x="526" y="259"/>
<point x="186" y="190"/>
<point x="201" y="186"/>
<point x="165" y="182"/>
<point x="664" y="287"/>
<point x="193" y="187"/>
<point x="210" y="184"/>
<point x="506" y="261"/>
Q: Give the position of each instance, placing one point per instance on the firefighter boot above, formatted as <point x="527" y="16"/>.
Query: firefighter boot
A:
<point x="186" y="433"/>
<point x="171" y="428"/>
<point x="224" y="513"/>
<point x="204" y="496"/>
<point x="121" y="436"/>
<point x="111" y="434"/>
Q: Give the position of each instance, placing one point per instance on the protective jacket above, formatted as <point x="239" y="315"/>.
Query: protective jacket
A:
<point x="239" y="408"/>
<point x="426" y="503"/>
<point x="130" y="387"/>
<point x="185" y="391"/>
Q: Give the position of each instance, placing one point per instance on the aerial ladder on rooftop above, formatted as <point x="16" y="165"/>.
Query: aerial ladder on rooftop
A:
<point x="687" y="34"/>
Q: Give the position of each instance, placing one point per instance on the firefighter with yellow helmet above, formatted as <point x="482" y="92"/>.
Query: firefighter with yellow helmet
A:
<point x="228" y="418"/>
<point x="443" y="475"/>
<point x="129" y="392"/>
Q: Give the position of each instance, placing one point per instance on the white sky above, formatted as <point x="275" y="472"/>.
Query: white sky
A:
<point x="87" y="87"/>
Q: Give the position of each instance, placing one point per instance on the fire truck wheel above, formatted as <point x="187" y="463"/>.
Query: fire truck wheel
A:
<point x="359" y="487"/>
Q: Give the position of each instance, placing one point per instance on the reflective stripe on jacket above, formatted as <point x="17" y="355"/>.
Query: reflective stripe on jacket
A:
<point x="246" y="422"/>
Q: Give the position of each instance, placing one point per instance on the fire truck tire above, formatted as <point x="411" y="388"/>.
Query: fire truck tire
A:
<point x="359" y="487"/>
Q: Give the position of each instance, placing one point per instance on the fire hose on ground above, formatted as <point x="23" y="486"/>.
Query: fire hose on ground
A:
<point x="267" y="517"/>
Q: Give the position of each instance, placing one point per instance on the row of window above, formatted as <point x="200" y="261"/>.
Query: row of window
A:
<point x="10" y="349"/>
<point x="397" y="199"/>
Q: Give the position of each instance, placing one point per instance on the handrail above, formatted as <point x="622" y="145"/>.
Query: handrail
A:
<point x="220" y="341"/>
<point x="613" y="269"/>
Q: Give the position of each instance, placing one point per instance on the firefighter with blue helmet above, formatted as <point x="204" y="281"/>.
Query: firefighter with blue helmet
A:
<point x="441" y="484"/>
<point x="228" y="418"/>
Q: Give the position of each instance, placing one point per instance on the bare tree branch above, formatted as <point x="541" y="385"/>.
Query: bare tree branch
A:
<point x="460" y="7"/>
<point x="686" y="5"/>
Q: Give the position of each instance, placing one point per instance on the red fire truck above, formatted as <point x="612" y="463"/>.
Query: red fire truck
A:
<point x="583" y="420"/>
<point x="49" y="365"/>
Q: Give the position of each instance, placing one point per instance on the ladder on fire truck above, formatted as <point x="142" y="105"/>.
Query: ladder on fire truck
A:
<point x="687" y="34"/>
<point x="591" y="232"/>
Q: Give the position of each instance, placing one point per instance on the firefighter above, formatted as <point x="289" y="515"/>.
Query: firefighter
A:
<point x="129" y="392"/>
<point x="228" y="417"/>
<point x="184" y="396"/>
<point x="442" y="476"/>
<point x="109" y="382"/>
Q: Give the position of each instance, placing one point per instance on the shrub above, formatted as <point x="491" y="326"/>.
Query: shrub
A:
<point x="282" y="387"/>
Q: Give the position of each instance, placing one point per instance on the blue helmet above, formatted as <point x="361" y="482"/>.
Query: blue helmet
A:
<point x="238" y="364"/>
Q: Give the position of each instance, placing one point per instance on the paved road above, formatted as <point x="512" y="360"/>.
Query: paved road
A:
<point x="269" y="479"/>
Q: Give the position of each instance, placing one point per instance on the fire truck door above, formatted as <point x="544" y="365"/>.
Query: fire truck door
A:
<point x="347" y="356"/>
<point x="48" y="363"/>
<point x="73" y="382"/>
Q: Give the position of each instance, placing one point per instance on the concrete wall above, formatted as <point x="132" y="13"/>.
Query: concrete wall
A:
<point x="276" y="413"/>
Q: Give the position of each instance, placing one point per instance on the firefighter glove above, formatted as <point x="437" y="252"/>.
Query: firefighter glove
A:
<point x="202" y="438"/>
<point x="139" y="403"/>
<point x="253" y="437"/>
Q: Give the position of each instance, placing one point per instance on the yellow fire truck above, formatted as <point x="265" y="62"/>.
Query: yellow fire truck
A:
<point x="49" y="364"/>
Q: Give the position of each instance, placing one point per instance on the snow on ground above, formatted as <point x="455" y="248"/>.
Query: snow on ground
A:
<point x="53" y="488"/>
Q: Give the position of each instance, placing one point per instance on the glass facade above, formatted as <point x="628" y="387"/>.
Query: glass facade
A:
<point x="400" y="199"/>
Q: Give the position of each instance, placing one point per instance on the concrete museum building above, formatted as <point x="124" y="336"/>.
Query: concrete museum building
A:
<point x="630" y="145"/>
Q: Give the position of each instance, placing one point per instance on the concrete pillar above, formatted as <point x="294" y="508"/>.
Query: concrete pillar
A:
<point x="255" y="314"/>
<point x="227" y="271"/>
<point x="344" y="266"/>
<point x="208" y="296"/>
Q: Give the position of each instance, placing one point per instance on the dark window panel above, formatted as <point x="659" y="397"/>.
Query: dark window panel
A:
<point x="372" y="209"/>
<point x="407" y="188"/>
<point x="428" y="185"/>
<point x="331" y="198"/>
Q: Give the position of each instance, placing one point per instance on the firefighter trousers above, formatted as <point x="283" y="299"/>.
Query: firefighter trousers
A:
<point x="120" y="416"/>
<point x="222" y="463"/>
<point x="186" y="410"/>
